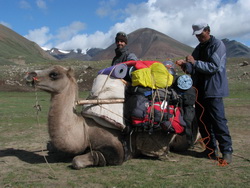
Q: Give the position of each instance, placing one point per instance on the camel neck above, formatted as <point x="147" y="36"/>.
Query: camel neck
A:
<point x="66" y="127"/>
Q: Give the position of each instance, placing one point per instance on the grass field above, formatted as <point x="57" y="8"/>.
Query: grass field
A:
<point x="23" y="135"/>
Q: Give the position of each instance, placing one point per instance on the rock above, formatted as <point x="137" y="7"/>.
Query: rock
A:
<point x="244" y="63"/>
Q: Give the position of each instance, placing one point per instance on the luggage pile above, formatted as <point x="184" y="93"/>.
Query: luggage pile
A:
<point x="157" y="99"/>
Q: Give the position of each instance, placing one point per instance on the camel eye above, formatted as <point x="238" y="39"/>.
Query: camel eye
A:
<point x="53" y="75"/>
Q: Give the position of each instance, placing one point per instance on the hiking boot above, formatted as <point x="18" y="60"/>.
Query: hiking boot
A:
<point x="227" y="157"/>
<point x="210" y="154"/>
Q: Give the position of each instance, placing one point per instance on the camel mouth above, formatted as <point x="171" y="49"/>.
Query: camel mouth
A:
<point x="30" y="79"/>
<point x="30" y="82"/>
<point x="42" y="87"/>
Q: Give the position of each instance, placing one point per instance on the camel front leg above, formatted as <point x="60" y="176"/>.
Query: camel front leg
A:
<point x="94" y="158"/>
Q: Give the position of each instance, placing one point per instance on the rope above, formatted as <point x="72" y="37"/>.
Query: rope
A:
<point x="101" y="106"/>
<point x="102" y="90"/>
<point x="87" y="136"/>
<point x="38" y="109"/>
<point x="151" y="113"/>
<point x="107" y="77"/>
<point x="221" y="162"/>
<point x="163" y="102"/>
<point x="112" y="111"/>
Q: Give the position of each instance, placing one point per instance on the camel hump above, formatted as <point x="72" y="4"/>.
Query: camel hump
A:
<point x="107" y="115"/>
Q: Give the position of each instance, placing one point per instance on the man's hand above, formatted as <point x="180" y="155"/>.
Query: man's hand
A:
<point x="180" y="62"/>
<point x="190" y="59"/>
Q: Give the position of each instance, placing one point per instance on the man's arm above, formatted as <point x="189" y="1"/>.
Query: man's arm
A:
<point x="132" y="56"/>
<point x="216" y="63"/>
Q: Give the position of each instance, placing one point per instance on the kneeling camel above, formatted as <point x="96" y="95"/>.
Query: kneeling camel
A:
<point x="91" y="143"/>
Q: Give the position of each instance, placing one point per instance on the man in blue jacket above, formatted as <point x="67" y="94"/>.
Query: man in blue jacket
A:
<point x="207" y="67"/>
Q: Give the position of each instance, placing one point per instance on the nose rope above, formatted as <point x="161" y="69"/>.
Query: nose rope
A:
<point x="38" y="108"/>
<point x="35" y="78"/>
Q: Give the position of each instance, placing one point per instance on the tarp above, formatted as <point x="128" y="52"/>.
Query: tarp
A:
<point x="107" y="115"/>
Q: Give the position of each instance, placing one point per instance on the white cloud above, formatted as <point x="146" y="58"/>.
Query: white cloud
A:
<point x="174" y="19"/>
<point x="84" y="41"/>
<point x="41" y="4"/>
<point x="68" y="37"/>
<point x="227" y="20"/>
<point x="106" y="8"/>
<point x="24" y="4"/>
<point x="41" y="37"/>
<point x="67" y="32"/>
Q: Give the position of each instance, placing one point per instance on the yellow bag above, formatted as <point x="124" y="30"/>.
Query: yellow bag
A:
<point x="156" y="76"/>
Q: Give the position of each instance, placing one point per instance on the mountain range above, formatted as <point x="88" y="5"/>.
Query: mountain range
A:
<point x="150" y="44"/>
<point x="236" y="49"/>
<point x="146" y="43"/>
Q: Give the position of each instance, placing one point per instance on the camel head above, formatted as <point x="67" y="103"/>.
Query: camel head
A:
<point x="52" y="80"/>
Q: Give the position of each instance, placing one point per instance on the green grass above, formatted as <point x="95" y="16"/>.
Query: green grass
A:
<point x="24" y="134"/>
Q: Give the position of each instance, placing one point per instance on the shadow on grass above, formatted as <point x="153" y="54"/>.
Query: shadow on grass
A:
<point x="33" y="157"/>
<point x="190" y="153"/>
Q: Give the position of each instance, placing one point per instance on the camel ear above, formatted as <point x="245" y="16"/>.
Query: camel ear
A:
<point x="71" y="72"/>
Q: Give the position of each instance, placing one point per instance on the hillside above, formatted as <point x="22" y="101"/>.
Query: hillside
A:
<point x="236" y="49"/>
<point x="147" y="43"/>
<point x="15" y="49"/>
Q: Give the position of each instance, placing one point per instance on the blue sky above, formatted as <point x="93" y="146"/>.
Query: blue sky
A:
<point x="71" y="24"/>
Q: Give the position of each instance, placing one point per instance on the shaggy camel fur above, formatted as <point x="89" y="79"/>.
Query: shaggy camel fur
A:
<point x="91" y="143"/>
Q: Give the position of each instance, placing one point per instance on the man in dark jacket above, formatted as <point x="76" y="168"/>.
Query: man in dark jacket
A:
<point x="121" y="51"/>
<point x="207" y="67"/>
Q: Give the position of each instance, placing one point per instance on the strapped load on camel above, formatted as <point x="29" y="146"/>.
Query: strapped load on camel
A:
<point x="155" y="98"/>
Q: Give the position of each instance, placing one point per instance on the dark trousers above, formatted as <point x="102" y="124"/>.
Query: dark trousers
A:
<point x="213" y="124"/>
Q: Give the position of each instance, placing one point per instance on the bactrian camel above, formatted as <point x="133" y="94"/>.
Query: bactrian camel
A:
<point x="91" y="143"/>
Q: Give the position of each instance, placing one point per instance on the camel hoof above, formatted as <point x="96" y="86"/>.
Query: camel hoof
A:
<point x="77" y="163"/>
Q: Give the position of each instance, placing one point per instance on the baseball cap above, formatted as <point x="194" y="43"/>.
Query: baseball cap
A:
<point x="198" y="28"/>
